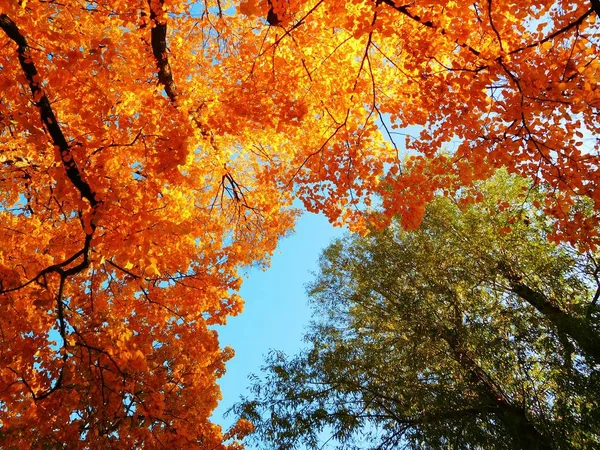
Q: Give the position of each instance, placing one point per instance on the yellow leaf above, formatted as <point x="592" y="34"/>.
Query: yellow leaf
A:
<point x="151" y="270"/>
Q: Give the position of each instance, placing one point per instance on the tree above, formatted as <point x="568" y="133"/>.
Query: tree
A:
<point x="470" y="87"/>
<point x="124" y="221"/>
<point x="422" y="339"/>
<point x="151" y="149"/>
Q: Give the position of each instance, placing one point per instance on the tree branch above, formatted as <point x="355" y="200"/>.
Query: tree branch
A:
<point x="573" y="327"/>
<point x="40" y="100"/>
<point x="596" y="6"/>
<point x="159" y="48"/>
<point x="427" y="23"/>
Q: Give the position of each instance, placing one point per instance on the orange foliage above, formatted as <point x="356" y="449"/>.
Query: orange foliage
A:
<point x="150" y="149"/>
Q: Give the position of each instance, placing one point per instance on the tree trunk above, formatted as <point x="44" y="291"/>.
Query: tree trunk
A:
<point x="514" y="417"/>
<point x="574" y="327"/>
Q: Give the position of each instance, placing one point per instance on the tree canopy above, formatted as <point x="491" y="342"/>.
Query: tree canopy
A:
<point x="151" y="149"/>
<point x="456" y="335"/>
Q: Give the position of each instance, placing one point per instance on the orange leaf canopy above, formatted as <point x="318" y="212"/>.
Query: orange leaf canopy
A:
<point x="149" y="150"/>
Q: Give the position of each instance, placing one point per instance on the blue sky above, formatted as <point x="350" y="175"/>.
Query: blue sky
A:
<point x="276" y="310"/>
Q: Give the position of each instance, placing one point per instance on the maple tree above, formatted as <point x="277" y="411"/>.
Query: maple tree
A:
<point x="423" y="339"/>
<point x="468" y="88"/>
<point x="123" y="227"/>
<point x="150" y="149"/>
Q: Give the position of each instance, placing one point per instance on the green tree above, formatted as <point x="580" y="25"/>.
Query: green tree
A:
<point x="472" y="332"/>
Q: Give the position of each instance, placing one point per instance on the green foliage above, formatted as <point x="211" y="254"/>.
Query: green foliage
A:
<point x="472" y="332"/>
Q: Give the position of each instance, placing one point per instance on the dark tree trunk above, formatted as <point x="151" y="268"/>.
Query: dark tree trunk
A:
<point x="573" y="327"/>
